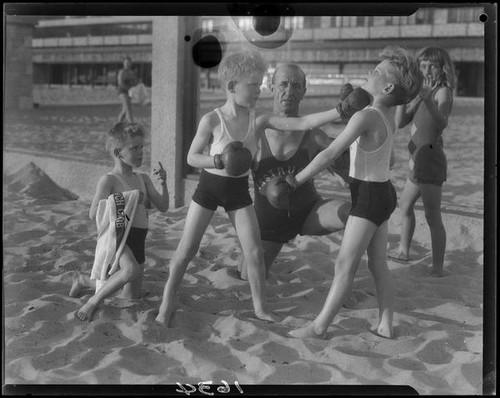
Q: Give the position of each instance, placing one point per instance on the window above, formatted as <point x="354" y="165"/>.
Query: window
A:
<point x="207" y="25"/>
<point x="326" y="22"/>
<point x="348" y="21"/>
<point x="294" y="23"/>
<point x="361" y="21"/>
<point x="423" y="16"/>
<point x="470" y="14"/>
<point x="312" y="22"/>
<point x="245" y="23"/>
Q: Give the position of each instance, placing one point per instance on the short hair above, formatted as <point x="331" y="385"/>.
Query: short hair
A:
<point x="120" y="133"/>
<point x="436" y="54"/>
<point x="406" y="73"/>
<point x="239" y="65"/>
<point x="293" y="66"/>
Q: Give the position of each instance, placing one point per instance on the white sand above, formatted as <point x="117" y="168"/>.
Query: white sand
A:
<point x="438" y="347"/>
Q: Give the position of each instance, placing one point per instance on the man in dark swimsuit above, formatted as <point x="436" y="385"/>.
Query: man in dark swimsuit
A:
<point x="286" y="152"/>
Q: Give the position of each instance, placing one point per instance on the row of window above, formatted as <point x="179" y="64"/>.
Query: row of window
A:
<point x="143" y="28"/>
<point x="422" y="16"/>
<point x="86" y="74"/>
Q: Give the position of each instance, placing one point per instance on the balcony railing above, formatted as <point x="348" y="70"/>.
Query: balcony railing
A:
<point x="366" y="32"/>
<point x="86" y="41"/>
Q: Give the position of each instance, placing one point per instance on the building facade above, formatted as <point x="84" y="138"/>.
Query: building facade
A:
<point x="84" y="54"/>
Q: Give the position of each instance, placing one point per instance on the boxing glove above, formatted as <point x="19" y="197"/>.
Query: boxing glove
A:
<point x="340" y="166"/>
<point x="345" y="90"/>
<point x="277" y="191"/>
<point x="235" y="158"/>
<point x="352" y="102"/>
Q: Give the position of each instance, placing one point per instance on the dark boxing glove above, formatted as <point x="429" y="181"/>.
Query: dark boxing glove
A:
<point x="235" y="158"/>
<point x="351" y="101"/>
<point x="277" y="192"/>
<point x="341" y="164"/>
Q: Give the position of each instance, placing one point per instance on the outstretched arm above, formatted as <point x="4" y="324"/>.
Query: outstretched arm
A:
<point x="299" y="123"/>
<point x="356" y="126"/>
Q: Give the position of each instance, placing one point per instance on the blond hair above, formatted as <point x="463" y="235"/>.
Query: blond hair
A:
<point x="239" y="65"/>
<point x="406" y="73"/>
<point x="120" y="133"/>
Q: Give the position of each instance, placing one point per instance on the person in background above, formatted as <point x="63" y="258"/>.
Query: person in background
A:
<point x="126" y="80"/>
<point x="428" y="113"/>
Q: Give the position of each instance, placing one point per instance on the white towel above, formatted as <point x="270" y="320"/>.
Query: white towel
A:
<point x="114" y="219"/>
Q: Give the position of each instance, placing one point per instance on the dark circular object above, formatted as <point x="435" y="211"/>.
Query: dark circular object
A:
<point x="207" y="52"/>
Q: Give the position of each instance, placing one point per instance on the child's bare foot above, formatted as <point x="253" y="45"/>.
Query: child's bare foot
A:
<point x="384" y="331"/>
<point x="85" y="313"/>
<point x="398" y="256"/>
<point x="267" y="316"/>
<point x="163" y="317"/>
<point x="79" y="282"/>
<point x="307" y="331"/>
<point x="242" y="271"/>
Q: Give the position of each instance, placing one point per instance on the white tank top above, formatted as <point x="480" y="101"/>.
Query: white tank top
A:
<point x="223" y="136"/>
<point x="372" y="165"/>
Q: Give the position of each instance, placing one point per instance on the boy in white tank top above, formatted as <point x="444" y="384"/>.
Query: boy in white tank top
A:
<point x="396" y="80"/>
<point x="241" y="76"/>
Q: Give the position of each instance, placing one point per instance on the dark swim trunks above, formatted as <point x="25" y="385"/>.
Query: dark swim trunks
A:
<point x="214" y="191"/>
<point x="374" y="201"/>
<point x="430" y="165"/>
<point x="136" y="241"/>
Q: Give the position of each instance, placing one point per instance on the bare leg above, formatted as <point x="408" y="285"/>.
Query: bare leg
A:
<point x="247" y="229"/>
<point x="377" y="263"/>
<point x="80" y="281"/>
<point x="271" y="251"/>
<point x="431" y="197"/>
<point x="409" y="197"/>
<point x="127" y="271"/>
<point x="326" y="216"/>
<point x="126" y="112"/>
<point x="133" y="289"/>
<point x="197" y="221"/>
<point x="357" y="236"/>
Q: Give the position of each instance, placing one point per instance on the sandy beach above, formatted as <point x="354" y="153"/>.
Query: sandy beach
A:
<point x="439" y="325"/>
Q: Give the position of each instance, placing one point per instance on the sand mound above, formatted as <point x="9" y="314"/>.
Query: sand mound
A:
<point x="32" y="181"/>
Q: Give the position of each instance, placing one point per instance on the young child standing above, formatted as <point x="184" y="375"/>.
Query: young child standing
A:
<point x="125" y="144"/>
<point x="241" y="76"/>
<point x="394" y="81"/>
<point x="429" y="112"/>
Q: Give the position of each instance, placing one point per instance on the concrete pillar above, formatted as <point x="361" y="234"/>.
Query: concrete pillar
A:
<point x="18" y="65"/>
<point x="174" y="99"/>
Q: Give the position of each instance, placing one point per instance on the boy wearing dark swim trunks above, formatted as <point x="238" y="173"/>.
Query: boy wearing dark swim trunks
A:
<point x="241" y="74"/>
<point x="125" y="145"/>
<point x="429" y="113"/>
<point x="369" y="134"/>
